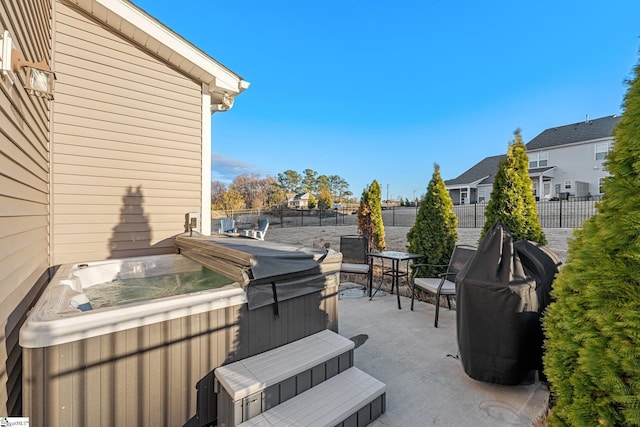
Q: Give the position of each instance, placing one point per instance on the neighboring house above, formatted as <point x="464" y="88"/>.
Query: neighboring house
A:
<point x="298" y="201"/>
<point x="564" y="161"/>
<point x="475" y="184"/>
<point x="110" y="167"/>
<point x="568" y="160"/>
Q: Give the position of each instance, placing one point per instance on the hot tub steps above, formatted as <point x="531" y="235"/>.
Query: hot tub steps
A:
<point x="352" y="398"/>
<point x="262" y="383"/>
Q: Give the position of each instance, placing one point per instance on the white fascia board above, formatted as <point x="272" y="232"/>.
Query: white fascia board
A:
<point x="225" y="79"/>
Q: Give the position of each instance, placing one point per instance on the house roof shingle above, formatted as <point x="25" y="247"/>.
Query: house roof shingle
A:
<point x="487" y="167"/>
<point x="576" y="132"/>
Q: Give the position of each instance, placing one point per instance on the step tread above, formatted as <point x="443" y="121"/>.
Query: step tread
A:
<point x="245" y="377"/>
<point x="326" y="404"/>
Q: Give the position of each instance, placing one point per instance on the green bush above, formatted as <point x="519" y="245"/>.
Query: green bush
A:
<point x="512" y="200"/>
<point x="369" y="217"/>
<point x="592" y="327"/>
<point x="435" y="232"/>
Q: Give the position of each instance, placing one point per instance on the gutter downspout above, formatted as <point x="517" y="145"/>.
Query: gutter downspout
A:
<point x="205" y="143"/>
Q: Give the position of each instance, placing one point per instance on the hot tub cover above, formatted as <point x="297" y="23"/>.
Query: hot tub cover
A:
<point x="501" y="294"/>
<point x="269" y="271"/>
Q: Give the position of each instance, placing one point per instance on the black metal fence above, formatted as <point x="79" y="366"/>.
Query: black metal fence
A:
<point x="285" y="217"/>
<point x="561" y="213"/>
<point x="553" y="214"/>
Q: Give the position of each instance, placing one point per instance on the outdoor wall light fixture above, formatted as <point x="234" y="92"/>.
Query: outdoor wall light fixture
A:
<point x="38" y="75"/>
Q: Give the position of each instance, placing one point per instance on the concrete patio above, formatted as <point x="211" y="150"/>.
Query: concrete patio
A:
<point x="426" y="386"/>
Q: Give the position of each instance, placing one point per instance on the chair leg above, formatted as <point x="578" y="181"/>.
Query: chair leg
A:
<point x="413" y="293"/>
<point x="449" y="301"/>
<point x="435" y="322"/>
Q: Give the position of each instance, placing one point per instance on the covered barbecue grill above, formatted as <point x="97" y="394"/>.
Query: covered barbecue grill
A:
<point x="501" y="294"/>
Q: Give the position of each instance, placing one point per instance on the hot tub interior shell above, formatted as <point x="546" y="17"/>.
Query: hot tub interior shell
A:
<point x="161" y="373"/>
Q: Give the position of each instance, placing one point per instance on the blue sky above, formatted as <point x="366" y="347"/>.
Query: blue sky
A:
<point x="383" y="90"/>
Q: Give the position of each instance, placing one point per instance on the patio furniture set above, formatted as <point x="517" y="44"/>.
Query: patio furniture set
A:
<point x="501" y="288"/>
<point x="357" y="259"/>
<point x="228" y="227"/>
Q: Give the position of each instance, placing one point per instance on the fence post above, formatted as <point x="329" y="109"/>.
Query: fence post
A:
<point x="475" y="215"/>
<point x="560" y="213"/>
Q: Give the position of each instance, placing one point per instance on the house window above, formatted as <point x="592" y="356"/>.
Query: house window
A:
<point x="543" y="159"/>
<point x="601" y="185"/>
<point x="567" y="184"/>
<point x="602" y="150"/>
<point x="538" y="160"/>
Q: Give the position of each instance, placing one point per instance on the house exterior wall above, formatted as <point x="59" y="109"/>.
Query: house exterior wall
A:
<point x="24" y="190"/>
<point x="484" y="193"/>
<point x="126" y="146"/>
<point x="472" y="194"/>
<point x="455" y="195"/>
<point x="576" y="162"/>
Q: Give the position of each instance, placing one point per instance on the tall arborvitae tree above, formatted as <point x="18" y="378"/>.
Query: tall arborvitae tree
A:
<point x="512" y="200"/>
<point x="592" y="328"/>
<point x="435" y="232"/>
<point x="369" y="217"/>
<point x="324" y="198"/>
<point x="363" y="216"/>
<point x="375" y="201"/>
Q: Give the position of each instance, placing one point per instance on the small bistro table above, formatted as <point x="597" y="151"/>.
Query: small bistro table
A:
<point x="394" y="272"/>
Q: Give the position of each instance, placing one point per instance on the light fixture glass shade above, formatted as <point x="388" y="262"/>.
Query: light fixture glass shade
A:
<point x="40" y="81"/>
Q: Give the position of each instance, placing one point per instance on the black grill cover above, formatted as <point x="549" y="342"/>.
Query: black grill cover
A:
<point x="501" y="294"/>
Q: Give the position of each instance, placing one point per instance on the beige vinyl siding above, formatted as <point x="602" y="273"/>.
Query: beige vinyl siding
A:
<point x="24" y="192"/>
<point x="126" y="146"/>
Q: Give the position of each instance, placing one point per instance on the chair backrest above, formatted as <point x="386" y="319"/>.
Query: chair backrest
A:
<point x="227" y="225"/>
<point x="354" y="249"/>
<point x="461" y="254"/>
<point x="263" y="224"/>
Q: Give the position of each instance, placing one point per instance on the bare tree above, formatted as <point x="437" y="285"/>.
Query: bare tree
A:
<point x="217" y="189"/>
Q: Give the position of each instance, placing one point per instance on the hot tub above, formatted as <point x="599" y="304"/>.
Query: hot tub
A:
<point x="65" y="312"/>
<point x="148" y="360"/>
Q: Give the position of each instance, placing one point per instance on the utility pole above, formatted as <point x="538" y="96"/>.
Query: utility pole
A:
<point x="387" y="194"/>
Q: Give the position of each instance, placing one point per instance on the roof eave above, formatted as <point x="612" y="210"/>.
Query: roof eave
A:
<point x="472" y="184"/>
<point x="148" y="33"/>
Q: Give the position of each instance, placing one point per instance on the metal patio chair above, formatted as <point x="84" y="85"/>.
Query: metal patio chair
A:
<point x="354" y="250"/>
<point x="444" y="284"/>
